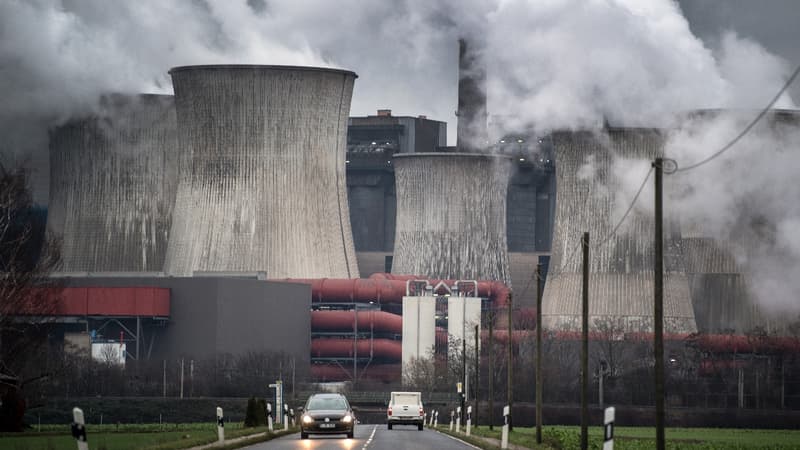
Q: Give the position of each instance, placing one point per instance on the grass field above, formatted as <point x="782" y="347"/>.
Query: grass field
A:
<point x="635" y="438"/>
<point x="124" y="437"/>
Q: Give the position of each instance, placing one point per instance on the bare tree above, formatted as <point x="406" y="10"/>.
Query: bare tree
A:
<point x="27" y="257"/>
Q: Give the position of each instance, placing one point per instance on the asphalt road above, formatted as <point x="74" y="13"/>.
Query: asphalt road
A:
<point x="369" y="437"/>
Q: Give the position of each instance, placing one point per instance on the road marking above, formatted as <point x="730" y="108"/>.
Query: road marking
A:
<point x="459" y="440"/>
<point x="369" y="440"/>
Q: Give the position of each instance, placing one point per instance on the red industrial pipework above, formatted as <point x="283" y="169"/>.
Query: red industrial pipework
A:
<point x="387" y="288"/>
<point x="378" y="321"/>
<point x="343" y="348"/>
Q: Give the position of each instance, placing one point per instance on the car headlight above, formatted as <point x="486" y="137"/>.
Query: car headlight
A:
<point x="307" y="419"/>
<point x="347" y="419"/>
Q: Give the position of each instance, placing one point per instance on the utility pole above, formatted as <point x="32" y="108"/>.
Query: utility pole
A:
<point x="658" y="316"/>
<point x="510" y="389"/>
<point x="585" y="346"/>
<point x="491" y="371"/>
<point x="477" y="372"/>
<point x="539" y="354"/>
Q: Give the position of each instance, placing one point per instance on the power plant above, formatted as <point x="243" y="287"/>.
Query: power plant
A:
<point x="239" y="195"/>
<point x="113" y="182"/>
<point x="258" y="195"/>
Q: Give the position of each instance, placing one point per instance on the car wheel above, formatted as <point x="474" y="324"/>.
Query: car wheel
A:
<point x="303" y="435"/>
<point x="350" y="434"/>
<point x="419" y="427"/>
<point x="390" y="426"/>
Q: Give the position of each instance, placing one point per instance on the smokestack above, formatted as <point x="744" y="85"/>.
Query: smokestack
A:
<point x="451" y="216"/>
<point x="472" y="134"/>
<point x="113" y="182"/>
<point x="621" y="268"/>
<point x="266" y="189"/>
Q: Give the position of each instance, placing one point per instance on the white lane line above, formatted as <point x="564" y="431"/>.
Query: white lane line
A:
<point x="369" y="440"/>
<point x="459" y="440"/>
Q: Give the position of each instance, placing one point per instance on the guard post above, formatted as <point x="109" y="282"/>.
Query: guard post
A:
<point x="269" y="417"/>
<point x="469" y="420"/>
<point x="608" y="429"/>
<point x="436" y="420"/>
<point x="458" y="419"/>
<point x="79" y="428"/>
<point x="451" y="419"/>
<point x="285" y="416"/>
<point x="507" y="419"/>
<point x="220" y="425"/>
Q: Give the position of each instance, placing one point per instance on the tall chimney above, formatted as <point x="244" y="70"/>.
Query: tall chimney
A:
<point x="472" y="135"/>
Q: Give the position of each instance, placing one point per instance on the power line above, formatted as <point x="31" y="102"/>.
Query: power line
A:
<point x="747" y="128"/>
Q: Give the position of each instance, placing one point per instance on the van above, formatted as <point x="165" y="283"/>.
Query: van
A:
<point x="405" y="408"/>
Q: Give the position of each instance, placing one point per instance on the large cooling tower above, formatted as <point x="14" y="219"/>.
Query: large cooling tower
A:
<point x="113" y="183"/>
<point x="621" y="269"/>
<point x="265" y="189"/>
<point x="451" y="216"/>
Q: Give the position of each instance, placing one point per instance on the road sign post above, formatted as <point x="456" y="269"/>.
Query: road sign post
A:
<point x="278" y="386"/>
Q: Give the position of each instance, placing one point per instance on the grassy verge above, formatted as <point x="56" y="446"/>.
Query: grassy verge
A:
<point x="636" y="438"/>
<point x="132" y="437"/>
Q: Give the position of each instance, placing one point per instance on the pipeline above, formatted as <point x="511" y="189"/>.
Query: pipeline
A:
<point x="388" y="288"/>
<point x="385" y="373"/>
<point x="343" y="348"/>
<point x="337" y="320"/>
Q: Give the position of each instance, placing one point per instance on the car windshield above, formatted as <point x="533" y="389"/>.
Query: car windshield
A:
<point x="326" y="403"/>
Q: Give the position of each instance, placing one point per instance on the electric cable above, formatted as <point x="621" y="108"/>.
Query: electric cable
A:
<point x="746" y="129"/>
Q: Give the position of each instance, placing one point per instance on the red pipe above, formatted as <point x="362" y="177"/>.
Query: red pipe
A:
<point x="342" y="347"/>
<point x="387" y="288"/>
<point x="378" y="321"/>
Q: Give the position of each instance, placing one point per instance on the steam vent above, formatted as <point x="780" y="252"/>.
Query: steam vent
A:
<point x="113" y="183"/>
<point x="621" y="269"/>
<point x="265" y="189"/>
<point x="451" y="216"/>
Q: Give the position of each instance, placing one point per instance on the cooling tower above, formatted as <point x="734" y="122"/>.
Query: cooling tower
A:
<point x="113" y="183"/>
<point x="451" y="216"/>
<point x="621" y="269"/>
<point x="265" y="189"/>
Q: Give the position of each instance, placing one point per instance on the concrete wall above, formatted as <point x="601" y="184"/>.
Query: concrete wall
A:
<point x="210" y="315"/>
<point x="451" y="216"/>
<point x="113" y="182"/>
<point x="265" y="190"/>
<point x="621" y="271"/>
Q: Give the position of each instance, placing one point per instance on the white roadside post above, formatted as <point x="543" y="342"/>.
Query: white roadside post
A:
<point x="469" y="420"/>
<point x="430" y="421"/>
<point x="269" y="417"/>
<point x="220" y="425"/>
<point x="425" y="419"/>
<point x="79" y="428"/>
<point x="608" y="429"/>
<point x="458" y="419"/>
<point x="504" y="436"/>
<point x="436" y="420"/>
<point x="285" y="416"/>
<point x="451" y="419"/>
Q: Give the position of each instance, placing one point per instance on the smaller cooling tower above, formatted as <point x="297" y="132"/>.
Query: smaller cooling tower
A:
<point x="621" y="268"/>
<point x="451" y="216"/>
<point x="113" y="182"/>
<point x="265" y="189"/>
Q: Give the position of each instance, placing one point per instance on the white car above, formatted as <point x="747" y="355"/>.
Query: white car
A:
<point x="405" y="408"/>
